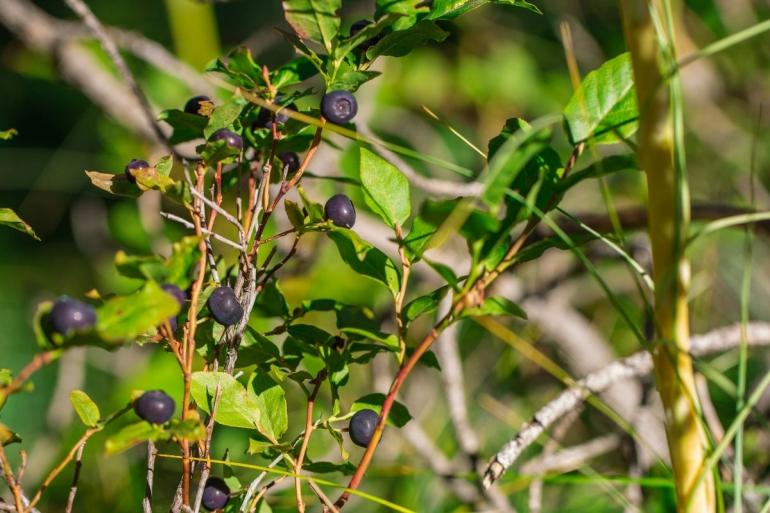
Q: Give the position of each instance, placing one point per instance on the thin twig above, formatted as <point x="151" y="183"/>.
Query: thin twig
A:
<point x="318" y="381"/>
<point x="150" y="478"/>
<point x="11" y="481"/>
<point x="188" y="224"/>
<point x="109" y="46"/>
<point x="75" y="479"/>
<point x="638" y="364"/>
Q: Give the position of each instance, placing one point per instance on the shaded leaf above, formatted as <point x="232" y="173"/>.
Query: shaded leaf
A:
<point x="187" y="127"/>
<point x="424" y="304"/>
<point x="400" y="43"/>
<point x="271" y="401"/>
<point x="448" y="9"/>
<point x="367" y="260"/>
<point x="8" y="436"/>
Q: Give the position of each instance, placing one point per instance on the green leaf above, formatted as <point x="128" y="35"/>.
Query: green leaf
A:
<point x="495" y="305"/>
<point x="606" y="166"/>
<point x="295" y="215"/>
<point x="190" y="429"/>
<point x="271" y="301"/>
<point x="365" y="259"/>
<point x="271" y="403"/>
<point x="185" y="255"/>
<point x="187" y="127"/>
<point x="404" y="12"/>
<point x="9" y="218"/>
<point x="132" y="435"/>
<point x="386" y="189"/>
<point x="140" y="267"/>
<point x="424" y="304"/>
<point x="7" y="436"/>
<point x="315" y="20"/>
<point x="448" y="9"/>
<point x="518" y="143"/>
<point x="400" y="43"/>
<point x="86" y="409"/>
<point x="352" y="80"/>
<point x="399" y="415"/>
<point x="237" y="407"/>
<point x="604" y="106"/>
<point x="224" y="115"/>
<point x="123" y="318"/>
<point x="7" y="135"/>
<point x="243" y="68"/>
<point x="293" y="72"/>
<point x="327" y="467"/>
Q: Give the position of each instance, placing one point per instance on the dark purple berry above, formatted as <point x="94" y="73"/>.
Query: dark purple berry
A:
<point x="134" y="165"/>
<point x="175" y="291"/>
<point x="232" y="139"/>
<point x="216" y="494"/>
<point x="198" y="105"/>
<point x="224" y="306"/>
<point x="154" y="406"/>
<point x="69" y="315"/>
<point x="339" y="107"/>
<point x="180" y="297"/>
<point x="340" y="211"/>
<point x="361" y="427"/>
<point x="290" y="161"/>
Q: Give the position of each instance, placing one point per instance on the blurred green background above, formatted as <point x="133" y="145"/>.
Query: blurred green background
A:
<point x="498" y="63"/>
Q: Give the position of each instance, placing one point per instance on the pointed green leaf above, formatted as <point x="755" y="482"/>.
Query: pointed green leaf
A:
<point x="132" y="435"/>
<point x="271" y="402"/>
<point x="399" y="415"/>
<point x="123" y="318"/>
<point x="386" y="189"/>
<point x="316" y="20"/>
<point x="604" y="106"/>
<point x="495" y="305"/>
<point x="9" y="218"/>
<point x="86" y="409"/>
<point x="401" y="42"/>
<point x="237" y="407"/>
<point x="448" y="9"/>
<point x="365" y="259"/>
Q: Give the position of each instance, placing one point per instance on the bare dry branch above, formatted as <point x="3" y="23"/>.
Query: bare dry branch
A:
<point x="638" y="364"/>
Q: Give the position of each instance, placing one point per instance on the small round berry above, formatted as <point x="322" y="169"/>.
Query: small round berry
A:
<point x="155" y="407"/>
<point x="224" y="306"/>
<point x="196" y="105"/>
<point x="340" y="211"/>
<point x="232" y="139"/>
<point x="361" y="427"/>
<point x="339" y="106"/>
<point x="216" y="494"/>
<point x="135" y="164"/>
<point x="69" y="315"/>
<point x="175" y="291"/>
<point x="290" y="161"/>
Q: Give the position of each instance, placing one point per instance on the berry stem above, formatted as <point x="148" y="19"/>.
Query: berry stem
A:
<point x="39" y="361"/>
<point x="10" y="479"/>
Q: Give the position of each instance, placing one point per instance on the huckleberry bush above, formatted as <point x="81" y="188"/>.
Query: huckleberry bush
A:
<point x="248" y="191"/>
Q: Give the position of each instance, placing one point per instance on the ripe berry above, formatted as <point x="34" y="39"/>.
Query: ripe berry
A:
<point x="175" y="291"/>
<point x="224" y="306"/>
<point x="155" y="407"/>
<point x="290" y="161"/>
<point x="340" y="211"/>
<point x="135" y="164"/>
<point x="198" y="105"/>
<point x="265" y="117"/>
<point x="180" y="297"/>
<point x="68" y="315"/>
<point x="361" y="427"/>
<point x="339" y="106"/>
<point x="216" y="494"/>
<point x="232" y="139"/>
